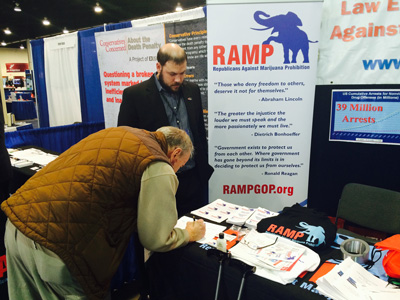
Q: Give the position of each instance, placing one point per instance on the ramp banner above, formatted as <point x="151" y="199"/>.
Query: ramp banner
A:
<point x="262" y="64"/>
<point x="359" y="42"/>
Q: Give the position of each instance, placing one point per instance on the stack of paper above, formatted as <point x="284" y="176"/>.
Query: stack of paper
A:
<point x="240" y="216"/>
<point x="217" y="211"/>
<point x="280" y="256"/>
<point x="259" y="214"/>
<point x="34" y="155"/>
<point x="350" y="281"/>
<point x="220" y="210"/>
<point x="275" y="258"/>
<point x="20" y="163"/>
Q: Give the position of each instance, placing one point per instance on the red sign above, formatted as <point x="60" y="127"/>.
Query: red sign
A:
<point x="17" y="67"/>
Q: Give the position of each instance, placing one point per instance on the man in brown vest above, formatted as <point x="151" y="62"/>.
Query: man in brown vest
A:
<point x="69" y="225"/>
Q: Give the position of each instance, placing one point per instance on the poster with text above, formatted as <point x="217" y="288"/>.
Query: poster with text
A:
<point x="129" y="56"/>
<point x="126" y="57"/>
<point x="365" y="116"/>
<point x="192" y="36"/>
<point x="360" y="42"/>
<point x="261" y="83"/>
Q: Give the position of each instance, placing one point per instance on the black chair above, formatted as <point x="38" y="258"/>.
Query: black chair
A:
<point x="371" y="208"/>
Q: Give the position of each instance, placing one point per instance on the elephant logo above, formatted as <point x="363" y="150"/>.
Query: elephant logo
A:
<point x="289" y="35"/>
<point x="315" y="233"/>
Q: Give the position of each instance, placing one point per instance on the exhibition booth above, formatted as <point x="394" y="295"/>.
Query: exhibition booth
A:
<point x="289" y="132"/>
<point x="287" y="124"/>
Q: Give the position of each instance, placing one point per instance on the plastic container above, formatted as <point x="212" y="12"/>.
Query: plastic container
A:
<point x="221" y="242"/>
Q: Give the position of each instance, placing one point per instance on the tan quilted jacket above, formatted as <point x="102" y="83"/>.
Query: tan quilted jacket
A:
<point x="83" y="205"/>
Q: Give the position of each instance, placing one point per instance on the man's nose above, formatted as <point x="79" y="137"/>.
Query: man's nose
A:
<point x="179" y="78"/>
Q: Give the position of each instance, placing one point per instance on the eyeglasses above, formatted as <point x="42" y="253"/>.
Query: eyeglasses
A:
<point x="254" y="246"/>
<point x="371" y="262"/>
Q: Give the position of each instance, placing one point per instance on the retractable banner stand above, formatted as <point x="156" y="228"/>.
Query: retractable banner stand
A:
<point x="360" y="42"/>
<point x="126" y="57"/>
<point x="262" y="63"/>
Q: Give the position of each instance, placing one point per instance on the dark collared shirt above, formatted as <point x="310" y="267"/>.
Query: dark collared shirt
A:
<point x="177" y="115"/>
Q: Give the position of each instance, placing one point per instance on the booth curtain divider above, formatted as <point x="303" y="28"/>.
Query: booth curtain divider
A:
<point x="57" y="138"/>
<point x="62" y="79"/>
<point x="39" y="73"/>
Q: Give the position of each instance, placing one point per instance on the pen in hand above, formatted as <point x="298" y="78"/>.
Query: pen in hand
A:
<point x="196" y="229"/>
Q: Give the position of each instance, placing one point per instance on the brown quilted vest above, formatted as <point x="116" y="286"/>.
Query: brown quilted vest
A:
<point x="83" y="205"/>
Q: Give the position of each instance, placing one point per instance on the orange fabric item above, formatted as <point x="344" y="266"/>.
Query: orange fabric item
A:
<point x="391" y="261"/>
<point x="323" y="270"/>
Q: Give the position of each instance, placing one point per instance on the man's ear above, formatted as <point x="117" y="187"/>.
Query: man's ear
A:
<point x="174" y="154"/>
<point x="158" y="68"/>
<point x="177" y="152"/>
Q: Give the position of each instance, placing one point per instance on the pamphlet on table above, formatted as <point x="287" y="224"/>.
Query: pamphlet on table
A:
<point x="30" y="156"/>
<point x="349" y="281"/>
<point x="220" y="210"/>
<point x="275" y="258"/>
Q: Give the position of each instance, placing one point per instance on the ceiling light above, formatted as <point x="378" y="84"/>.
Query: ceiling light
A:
<point x="3" y="43"/>
<point x="21" y="47"/>
<point x="7" y="31"/>
<point x="98" y="8"/>
<point x="178" y="7"/>
<point x="17" y="7"/>
<point x="65" y="30"/>
<point x="46" y="22"/>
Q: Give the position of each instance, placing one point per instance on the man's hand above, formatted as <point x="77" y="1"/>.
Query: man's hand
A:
<point x="196" y="229"/>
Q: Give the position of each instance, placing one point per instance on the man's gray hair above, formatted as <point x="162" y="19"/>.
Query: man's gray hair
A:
<point x="176" y="137"/>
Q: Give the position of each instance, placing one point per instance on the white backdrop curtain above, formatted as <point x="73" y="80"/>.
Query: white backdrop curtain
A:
<point x="62" y="79"/>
